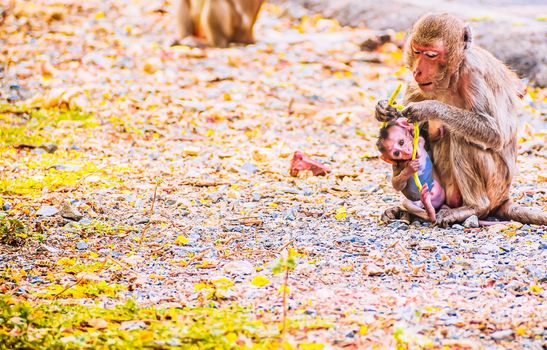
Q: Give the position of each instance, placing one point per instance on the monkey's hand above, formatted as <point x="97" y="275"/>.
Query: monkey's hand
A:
<point x="421" y="111"/>
<point x="384" y="112"/>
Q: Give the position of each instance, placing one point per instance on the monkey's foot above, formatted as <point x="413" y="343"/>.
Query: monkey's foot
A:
<point x="189" y="41"/>
<point x="448" y="216"/>
<point x="395" y="213"/>
<point x="513" y="211"/>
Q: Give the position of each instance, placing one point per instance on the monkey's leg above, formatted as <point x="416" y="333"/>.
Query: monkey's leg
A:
<point x="425" y="197"/>
<point x="218" y="23"/>
<point x="248" y="12"/>
<point x="512" y="211"/>
<point x="184" y="20"/>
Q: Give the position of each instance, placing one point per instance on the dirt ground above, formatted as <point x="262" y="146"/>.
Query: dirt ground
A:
<point x="496" y="25"/>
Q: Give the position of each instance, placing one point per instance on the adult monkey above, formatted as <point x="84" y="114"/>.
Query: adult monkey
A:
<point x="474" y="97"/>
<point x="218" y="22"/>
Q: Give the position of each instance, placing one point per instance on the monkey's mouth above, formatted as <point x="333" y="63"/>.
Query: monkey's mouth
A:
<point x="425" y="84"/>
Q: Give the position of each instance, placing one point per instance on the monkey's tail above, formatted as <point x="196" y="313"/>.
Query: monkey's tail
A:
<point x="512" y="211"/>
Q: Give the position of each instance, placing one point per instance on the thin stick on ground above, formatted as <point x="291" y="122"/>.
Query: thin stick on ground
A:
<point x="145" y="228"/>
<point x="285" y="282"/>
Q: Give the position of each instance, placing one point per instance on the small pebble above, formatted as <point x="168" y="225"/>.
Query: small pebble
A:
<point x="502" y="335"/>
<point x="47" y="210"/>
<point x="249" y="167"/>
<point x="81" y="245"/>
<point x="256" y="196"/>
<point x="471" y="222"/>
<point x="49" y="147"/>
<point x="398" y="225"/>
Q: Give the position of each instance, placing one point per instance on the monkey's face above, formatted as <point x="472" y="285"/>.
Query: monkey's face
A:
<point x="428" y="64"/>
<point x="398" y="144"/>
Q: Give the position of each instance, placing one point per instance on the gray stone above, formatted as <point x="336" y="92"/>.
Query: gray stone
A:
<point x="238" y="267"/>
<point x="171" y="201"/>
<point x="249" y="167"/>
<point x="154" y="155"/>
<point x="6" y="206"/>
<point x="489" y="248"/>
<point x="50" y="249"/>
<point x="132" y="325"/>
<point x="471" y="222"/>
<point x="81" y="245"/>
<point x="374" y="270"/>
<point x="398" y="225"/>
<point x="427" y="245"/>
<point x="105" y="251"/>
<point x="350" y="239"/>
<point x="47" y="210"/>
<point x="502" y="335"/>
<point x="38" y="151"/>
<point x="290" y="214"/>
<point x="67" y="167"/>
<point x="458" y="227"/>
<point x="49" y="147"/>
<point x="256" y="196"/>
<point x="70" y="212"/>
<point x="290" y="190"/>
<point x="85" y="221"/>
<point x="129" y="197"/>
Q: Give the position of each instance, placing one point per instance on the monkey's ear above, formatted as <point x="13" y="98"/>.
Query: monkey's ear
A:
<point x="403" y="122"/>
<point x="467" y="37"/>
<point x="386" y="159"/>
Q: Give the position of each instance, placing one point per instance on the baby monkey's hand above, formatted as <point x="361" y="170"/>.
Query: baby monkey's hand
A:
<point x="412" y="167"/>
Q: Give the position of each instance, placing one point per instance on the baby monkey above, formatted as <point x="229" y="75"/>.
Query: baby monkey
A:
<point x="395" y="144"/>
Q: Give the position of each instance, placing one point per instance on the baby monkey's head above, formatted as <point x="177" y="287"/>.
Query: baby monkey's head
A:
<point x="395" y="142"/>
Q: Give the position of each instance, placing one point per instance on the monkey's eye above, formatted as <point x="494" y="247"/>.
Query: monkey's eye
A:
<point x="431" y="54"/>
<point x="396" y="153"/>
<point x="416" y="52"/>
<point x="401" y="142"/>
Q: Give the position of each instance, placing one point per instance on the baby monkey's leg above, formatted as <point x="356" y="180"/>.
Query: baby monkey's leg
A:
<point x="426" y="196"/>
<point x="415" y="209"/>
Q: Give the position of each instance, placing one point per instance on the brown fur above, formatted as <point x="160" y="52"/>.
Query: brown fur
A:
<point x="218" y="22"/>
<point x="475" y="98"/>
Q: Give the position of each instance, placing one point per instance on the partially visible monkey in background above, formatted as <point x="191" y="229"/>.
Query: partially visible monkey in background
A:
<point x="217" y="22"/>
<point x="475" y="98"/>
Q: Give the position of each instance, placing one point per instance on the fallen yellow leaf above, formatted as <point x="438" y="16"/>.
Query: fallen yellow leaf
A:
<point x="181" y="240"/>
<point x="341" y="213"/>
<point x="260" y="281"/>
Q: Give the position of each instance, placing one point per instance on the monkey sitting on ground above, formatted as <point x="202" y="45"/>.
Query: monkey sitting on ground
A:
<point x="395" y="144"/>
<point x="217" y="22"/>
<point x="475" y="98"/>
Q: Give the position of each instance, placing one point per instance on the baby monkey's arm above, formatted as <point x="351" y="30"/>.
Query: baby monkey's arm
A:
<point x="402" y="173"/>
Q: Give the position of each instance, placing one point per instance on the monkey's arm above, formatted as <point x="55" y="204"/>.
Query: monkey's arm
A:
<point x="480" y="129"/>
<point x="399" y="179"/>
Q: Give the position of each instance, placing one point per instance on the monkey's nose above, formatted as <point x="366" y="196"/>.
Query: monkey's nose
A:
<point x="407" y="152"/>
